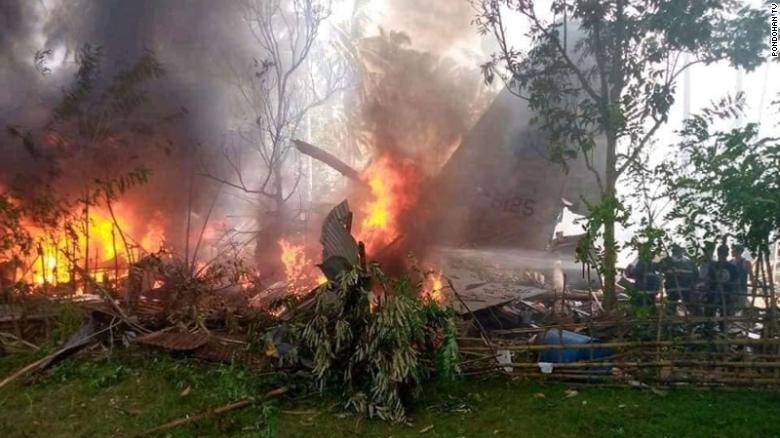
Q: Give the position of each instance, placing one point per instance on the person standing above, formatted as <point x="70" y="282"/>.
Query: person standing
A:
<point x="701" y="297"/>
<point x="722" y="279"/>
<point x="680" y="274"/>
<point x="646" y="281"/>
<point x="744" y="273"/>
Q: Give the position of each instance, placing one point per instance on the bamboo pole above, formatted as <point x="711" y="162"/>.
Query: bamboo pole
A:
<point x="86" y="240"/>
<point x="42" y="256"/>
<point x="770" y="285"/>
<point x="627" y="322"/>
<point x="189" y="419"/>
<point x="677" y="381"/>
<point x="119" y="230"/>
<point x="537" y="347"/>
<point x="191" y="267"/>
<point x="116" y="259"/>
<point x="649" y="364"/>
<point x="72" y="259"/>
<point x="187" y="229"/>
<point x="483" y="332"/>
<point x="659" y="327"/>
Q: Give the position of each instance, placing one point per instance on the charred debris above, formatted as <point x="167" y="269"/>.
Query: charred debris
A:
<point x="477" y="316"/>
<point x="484" y="310"/>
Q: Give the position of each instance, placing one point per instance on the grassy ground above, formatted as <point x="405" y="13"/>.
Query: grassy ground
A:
<point x="130" y="392"/>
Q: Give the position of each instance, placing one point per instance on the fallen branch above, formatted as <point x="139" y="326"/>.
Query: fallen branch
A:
<point x="213" y="412"/>
<point x="69" y="348"/>
<point x="19" y="340"/>
<point x="24" y="370"/>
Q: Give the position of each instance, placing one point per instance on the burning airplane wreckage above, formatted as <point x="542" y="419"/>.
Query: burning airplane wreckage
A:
<point x="461" y="265"/>
<point x="485" y="224"/>
<point x="401" y="212"/>
<point x="497" y="194"/>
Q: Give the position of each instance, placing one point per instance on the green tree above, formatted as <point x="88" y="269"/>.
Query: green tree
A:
<point x="613" y="83"/>
<point x="725" y="182"/>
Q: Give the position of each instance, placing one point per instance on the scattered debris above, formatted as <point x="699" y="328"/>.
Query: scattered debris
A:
<point x="426" y="429"/>
<point x="546" y="367"/>
<point x="78" y="341"/>
<point x="565" y="337"/>
<point x="214" y="412"/>
<point x="339" y="248"/>
<point x="658" y="392"/>
<point x="174" y="341"/>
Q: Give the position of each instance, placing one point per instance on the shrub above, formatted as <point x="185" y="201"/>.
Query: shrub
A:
<point x="380" y="347"/>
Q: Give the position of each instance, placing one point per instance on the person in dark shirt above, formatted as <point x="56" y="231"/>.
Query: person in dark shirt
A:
<point x="680" y="275"/>
<point x="646" y="281"/>
<point x="722" y="283"/>
<point x="702" y="296"/>
<point x="744" y="273"/>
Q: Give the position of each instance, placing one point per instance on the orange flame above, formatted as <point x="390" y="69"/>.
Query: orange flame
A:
<point x="294" y="260"/>
<point x="58" y="250"/>
<point x="433" y="287"/>
<point x="301" y="274"/>
<point x="394" y="190"/>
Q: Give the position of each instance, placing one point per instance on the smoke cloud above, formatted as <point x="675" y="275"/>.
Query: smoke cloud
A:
<point x="419" y="93"/>
<point x="187" y="110"/>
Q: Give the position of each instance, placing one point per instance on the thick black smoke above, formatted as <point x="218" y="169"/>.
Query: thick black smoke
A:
<point x="187" y="107"/>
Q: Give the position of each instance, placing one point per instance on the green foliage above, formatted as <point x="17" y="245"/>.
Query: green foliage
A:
<point x="589" y="250"/>
<point x="724" y="182"/>
<point x="607" y="82"/>
<point x="443" y="334"/>
<point x="69" y="319"/>
<point x="107" y="377"/>
<point x="615" y="68"/>
<point x="648" y="242"/>
<point x="380" y="349"/>
<point x="131" y="391"/>
<point x="639" y="306"/>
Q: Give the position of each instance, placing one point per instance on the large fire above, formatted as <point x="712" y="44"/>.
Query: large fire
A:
<point x="300" y="273"/>
<point x="97" y="247"/>
<point x="394" y="185"/>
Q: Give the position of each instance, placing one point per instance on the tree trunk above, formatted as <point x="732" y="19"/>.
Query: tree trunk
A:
<point x="769" y="284"/>
<point x="609" y="262"/>
<point x="275" y="226"/>
<point x="610" y="247"/>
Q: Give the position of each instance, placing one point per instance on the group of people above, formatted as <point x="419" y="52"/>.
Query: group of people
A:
<point x="716" y="284"/>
